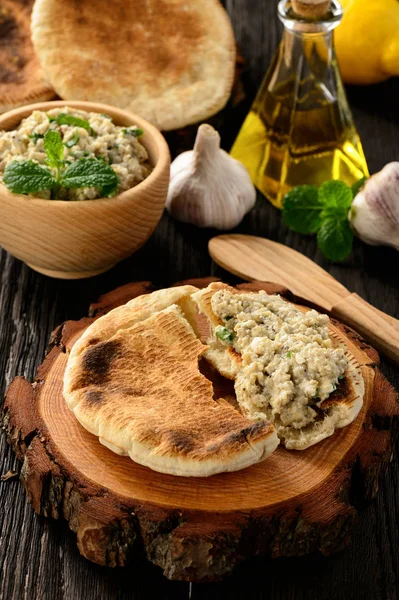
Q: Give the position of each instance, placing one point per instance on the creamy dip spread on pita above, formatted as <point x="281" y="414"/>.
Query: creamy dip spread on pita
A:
<point x="289" y="364"/>
<point x="85" y="135"/>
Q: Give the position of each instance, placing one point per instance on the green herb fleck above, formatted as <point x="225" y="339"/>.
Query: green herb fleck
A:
<point x="72" y="141"/>
<point x="27" y="177"/>
<point x="135" y="131"/>
<point x="36" y="136"/>
<point x="106" y="116"/>
<point x="224" y="334"/>
<point x="289" y="354"/>
<point x="65" y="119"/>
<point x="341" y="377"/>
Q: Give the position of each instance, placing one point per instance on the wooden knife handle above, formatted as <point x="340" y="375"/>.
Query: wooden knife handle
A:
<point x="381" y="330"/>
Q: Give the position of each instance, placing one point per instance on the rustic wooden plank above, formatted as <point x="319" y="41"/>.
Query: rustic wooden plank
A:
<point x="39" y="560"/>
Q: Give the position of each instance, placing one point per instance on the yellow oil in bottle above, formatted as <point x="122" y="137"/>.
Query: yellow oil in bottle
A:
<point x="300" y="128"/>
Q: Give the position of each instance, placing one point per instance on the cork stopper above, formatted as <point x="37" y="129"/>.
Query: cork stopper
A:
<point x="311" y="9"/>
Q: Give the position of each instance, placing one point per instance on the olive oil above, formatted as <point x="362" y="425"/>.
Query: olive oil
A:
<point x="300" y="128"/>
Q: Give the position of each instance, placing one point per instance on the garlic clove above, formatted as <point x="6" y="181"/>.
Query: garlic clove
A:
<point x="208" y="187"/>
<point x="374" y="214"/>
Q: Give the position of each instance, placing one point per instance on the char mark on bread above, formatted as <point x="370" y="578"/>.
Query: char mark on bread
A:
<point x="97" y="362"/>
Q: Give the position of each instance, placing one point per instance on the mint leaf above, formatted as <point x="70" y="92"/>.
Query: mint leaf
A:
<point x="335" y="239"/>
<point x="135" y="131"/>
<point x="357" y="185"/>
<point x="89" y="172"/>
<point x="27" y="177"/>
<point x="54" y="149"/>
<point x="73" y="141"/>
<point x="107" y="191"/>
<point x="65" y="119"/>
<point x="302" y="209"/>
<point x="335" y="193"/>
<point x="36" y="136"/>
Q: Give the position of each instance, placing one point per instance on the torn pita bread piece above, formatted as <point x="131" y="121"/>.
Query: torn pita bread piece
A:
<point x="171" y="62"/>
<point x="133" y="380"/>
<point x="289" y="363"/>
<point x="22" y="79"/>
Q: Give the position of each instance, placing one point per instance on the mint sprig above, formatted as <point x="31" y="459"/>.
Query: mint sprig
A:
<point x="28" y="177"/>
<point x="324" y="211"/>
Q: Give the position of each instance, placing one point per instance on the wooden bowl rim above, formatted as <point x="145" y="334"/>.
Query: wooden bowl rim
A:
<point x="150" y="130"/>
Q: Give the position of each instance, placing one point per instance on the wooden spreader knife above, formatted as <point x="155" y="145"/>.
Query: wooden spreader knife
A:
<point x="255" y="258"/>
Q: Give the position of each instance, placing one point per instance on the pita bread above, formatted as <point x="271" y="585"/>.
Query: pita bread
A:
<point x="133" y="380"/>
<point x="224" y="359"/>
<point x="340" y="408"/>
<point x="170" y="61"/>
<point x="22" y="79"/>
<point x="135" y="310"/>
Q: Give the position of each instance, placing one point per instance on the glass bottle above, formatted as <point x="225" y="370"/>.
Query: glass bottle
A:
<point x="300" y="128"/>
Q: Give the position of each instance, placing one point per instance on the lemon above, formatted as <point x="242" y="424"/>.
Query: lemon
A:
<point x="367" y="40"/>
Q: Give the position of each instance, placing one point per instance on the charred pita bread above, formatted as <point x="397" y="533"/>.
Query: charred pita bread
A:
<point x="22" y="79"/>
<point x="337" y="411"/>
<point x="133" y="380"/>
<point x="170" y="61"/>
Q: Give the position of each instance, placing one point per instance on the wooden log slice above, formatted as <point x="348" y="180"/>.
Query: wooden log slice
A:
<point x="195" y="528"/>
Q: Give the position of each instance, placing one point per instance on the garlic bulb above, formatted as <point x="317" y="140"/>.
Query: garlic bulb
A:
<point x="208" y="187"/>
<point x="374" y="214"/>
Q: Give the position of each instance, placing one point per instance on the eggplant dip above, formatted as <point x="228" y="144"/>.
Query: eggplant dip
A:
<point x="71" y="154"/>
<point x="289" y="364"/>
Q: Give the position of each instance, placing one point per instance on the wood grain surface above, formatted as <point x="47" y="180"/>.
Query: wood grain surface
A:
<point x="39" y="559"/>
<point x="197" y="529"/>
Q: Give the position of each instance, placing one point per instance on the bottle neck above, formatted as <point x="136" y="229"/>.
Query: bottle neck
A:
<point x="302" y="25"/>
<point x="305" y="68"/>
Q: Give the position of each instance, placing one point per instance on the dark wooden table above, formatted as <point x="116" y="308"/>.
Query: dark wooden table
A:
<point x="38" y="558"/>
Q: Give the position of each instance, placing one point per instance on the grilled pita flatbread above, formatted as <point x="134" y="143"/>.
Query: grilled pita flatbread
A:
<point x="170" y="61"/>
<point x="224" y="359"/>
<point x="340" y="408"/>
<point x="138" y="309"/>
<point x="22" y="79"/>
<point x="133" y="380"/>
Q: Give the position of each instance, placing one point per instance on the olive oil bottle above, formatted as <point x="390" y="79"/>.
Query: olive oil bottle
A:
<point x="300" y="129"/>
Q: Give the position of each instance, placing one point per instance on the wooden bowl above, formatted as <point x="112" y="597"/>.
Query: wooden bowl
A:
<point x="72" y="240"/>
